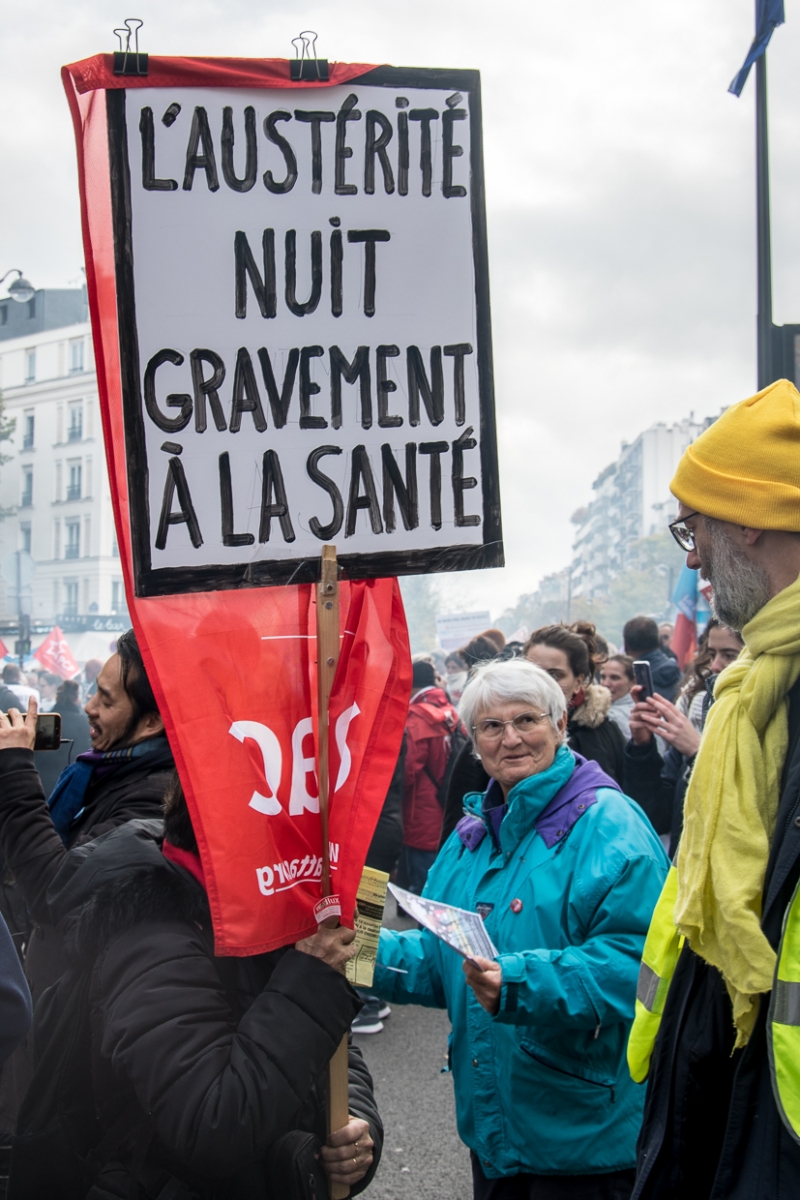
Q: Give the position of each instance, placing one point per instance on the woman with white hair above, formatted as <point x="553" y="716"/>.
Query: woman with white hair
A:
<point x="565" y="870"/>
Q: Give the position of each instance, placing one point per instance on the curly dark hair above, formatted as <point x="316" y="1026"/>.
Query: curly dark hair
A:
<point x="134" y="677"/>
<point x="698" y="670"/>
<point x="578" y="641"/>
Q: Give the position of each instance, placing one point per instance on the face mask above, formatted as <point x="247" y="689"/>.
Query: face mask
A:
<point x="457" y="682"/>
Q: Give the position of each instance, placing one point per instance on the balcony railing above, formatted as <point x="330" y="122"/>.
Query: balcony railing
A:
<point x="74" y="491"/>
<point x="27" y="500"/>
<point x="72" y="550"/>
<point x="74" y="433"/>
<point x="27" y="441"/>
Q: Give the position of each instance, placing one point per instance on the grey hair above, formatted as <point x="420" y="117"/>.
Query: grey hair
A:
<point x="514" y="681"/>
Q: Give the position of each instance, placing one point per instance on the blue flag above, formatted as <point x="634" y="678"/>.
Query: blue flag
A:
<point x="769" y="15"/>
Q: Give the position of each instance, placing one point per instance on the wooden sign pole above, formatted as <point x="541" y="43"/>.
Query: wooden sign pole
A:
<point x="327" y="658"/>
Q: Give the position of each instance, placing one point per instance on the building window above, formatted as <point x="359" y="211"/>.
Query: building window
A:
<point x="117" y="596"/>
<point x="30" y="366"/>
<point x="74" y="485"/>
<point x="115" y="547"/>
<point x="3" y="314"/>
<point x="28" y="421"/>
<point x="76" y="356"/>
<point x="70" y="597"/>
<point x="56" y="547"/>
<point x="31" y="308"/>
<point x="27" y="487"/>
<point x="75" y="427"/>
<point x="73" y="546"/>
<point x="25" y="536"/>
<point x="87" y="536"/>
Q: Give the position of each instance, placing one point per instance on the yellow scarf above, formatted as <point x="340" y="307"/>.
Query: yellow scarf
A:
<point x="732" y="805"/>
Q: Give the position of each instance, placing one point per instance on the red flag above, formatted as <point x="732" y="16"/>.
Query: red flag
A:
<point x="239" y="703"/>
<point x="55" y="655"/>
<point x="3" y="649"/>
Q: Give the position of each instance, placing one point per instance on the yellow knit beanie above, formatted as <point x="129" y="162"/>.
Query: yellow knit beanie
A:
<point x="745" y="468"/>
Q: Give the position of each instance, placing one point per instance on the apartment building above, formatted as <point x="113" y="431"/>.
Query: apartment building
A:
<point x="54" y="487"/>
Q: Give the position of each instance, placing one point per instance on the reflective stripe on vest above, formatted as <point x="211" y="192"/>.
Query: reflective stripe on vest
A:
<point x="659" y="957"/>
<point x="783" y="1023"/>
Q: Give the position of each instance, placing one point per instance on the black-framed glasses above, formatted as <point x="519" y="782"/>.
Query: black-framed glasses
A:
<point x="492" y="729"/>
<point x="683" y="535"/>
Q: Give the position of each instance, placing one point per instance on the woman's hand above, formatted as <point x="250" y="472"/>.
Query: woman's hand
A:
<point x="486" y="979"/>
<point x="669" y="722"/>
<point x="18" y="732"/>
<point x="640" y="727"/>
<point x="347" y="1154"/>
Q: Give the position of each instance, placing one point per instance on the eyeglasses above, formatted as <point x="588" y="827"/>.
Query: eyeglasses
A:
<point x="683" y="535"/>
<point x="490" y="729"/>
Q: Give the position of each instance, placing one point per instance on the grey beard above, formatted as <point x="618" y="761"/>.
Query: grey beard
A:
<point x="741" y="588"/>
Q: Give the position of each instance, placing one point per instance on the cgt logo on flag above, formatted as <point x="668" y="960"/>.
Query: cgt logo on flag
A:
<point x="234" y="674"/>
<point x="55" y="655"/>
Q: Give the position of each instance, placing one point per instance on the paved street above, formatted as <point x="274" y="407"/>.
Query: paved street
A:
<point x="422" y="1155"/>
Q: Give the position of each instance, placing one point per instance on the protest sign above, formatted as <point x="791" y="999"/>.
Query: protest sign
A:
<point x="234" y="671"/>
<point x="301" y="289"/>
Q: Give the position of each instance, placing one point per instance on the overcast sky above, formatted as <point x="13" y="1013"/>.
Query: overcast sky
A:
<point x="620" y="195"/>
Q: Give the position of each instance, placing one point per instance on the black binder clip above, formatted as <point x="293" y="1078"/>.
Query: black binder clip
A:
<point x="306" y="66"/>
<point x="128" y="60"/>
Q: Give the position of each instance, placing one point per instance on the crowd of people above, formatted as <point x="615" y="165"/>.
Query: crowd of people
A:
<point x="633" y="849"/>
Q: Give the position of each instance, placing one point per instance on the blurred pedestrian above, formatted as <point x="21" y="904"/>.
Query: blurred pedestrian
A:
<point x="665" y="737"/>
<point x="641" y="639"/>
<point x="565" y="871"/>
<point x="665" y="632"/>
<point x="91" y="670"/>
<point x="12" y="678"/>
<point x="567" y="653"/>
<point x="431" y="721"/>
<point x="48" y="687"/>
<point x="455" y="676"/>
<point x="75" y="737"/>
<point x="616" y="674"/>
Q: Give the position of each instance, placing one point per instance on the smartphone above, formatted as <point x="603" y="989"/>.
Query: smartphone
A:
<point x="48" y="731"/>
<point x="643" y="678"/>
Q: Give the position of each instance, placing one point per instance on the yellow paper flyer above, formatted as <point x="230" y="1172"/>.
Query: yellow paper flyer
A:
<point x="371" y="899"/>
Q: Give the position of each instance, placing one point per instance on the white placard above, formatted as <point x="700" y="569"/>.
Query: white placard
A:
<point x="304" y="328"/>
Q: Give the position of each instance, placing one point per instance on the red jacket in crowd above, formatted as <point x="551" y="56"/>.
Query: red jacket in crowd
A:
<point x="431" y="720"/>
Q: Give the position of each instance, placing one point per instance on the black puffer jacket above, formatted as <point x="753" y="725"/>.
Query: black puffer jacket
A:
<point x="34" y="853"/>
<point x="214" y="1058"/>
<point x="591" y="733"/>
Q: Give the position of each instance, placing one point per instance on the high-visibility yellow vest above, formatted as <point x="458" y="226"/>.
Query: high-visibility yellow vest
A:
<point x="659" y="958"/>
<point x="783" y="1022"/>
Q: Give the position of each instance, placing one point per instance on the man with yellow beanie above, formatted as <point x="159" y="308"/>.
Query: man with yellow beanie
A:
<point x="717" y="1027"/>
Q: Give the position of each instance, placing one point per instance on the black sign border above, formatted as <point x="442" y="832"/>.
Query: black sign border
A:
<point x="162" y="581"/>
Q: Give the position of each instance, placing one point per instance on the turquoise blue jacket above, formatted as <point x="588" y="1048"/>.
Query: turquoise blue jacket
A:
<point x="543" y="1086"/>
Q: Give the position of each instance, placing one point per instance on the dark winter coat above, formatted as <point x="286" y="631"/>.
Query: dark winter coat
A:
<point x="592" y="734"/>
<point x="467" y="776"/>
<point x="665" y="673"/>
<point x="15" y="998"/>
<point x="34" y="853"/>
<point x="387" y="840"/>
<point x="214" y="1058"/>
<point x="711" y="1128"/>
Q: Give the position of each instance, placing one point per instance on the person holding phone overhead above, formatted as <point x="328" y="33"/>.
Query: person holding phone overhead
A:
<point x="122" y="777"/>
<point x="565" y="871"/>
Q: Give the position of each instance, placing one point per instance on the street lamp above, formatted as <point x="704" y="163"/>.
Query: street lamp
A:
<point x="21" y="289"/>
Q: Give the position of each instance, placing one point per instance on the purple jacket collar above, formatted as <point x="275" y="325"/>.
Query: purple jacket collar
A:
<point x="553" y="824"/>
